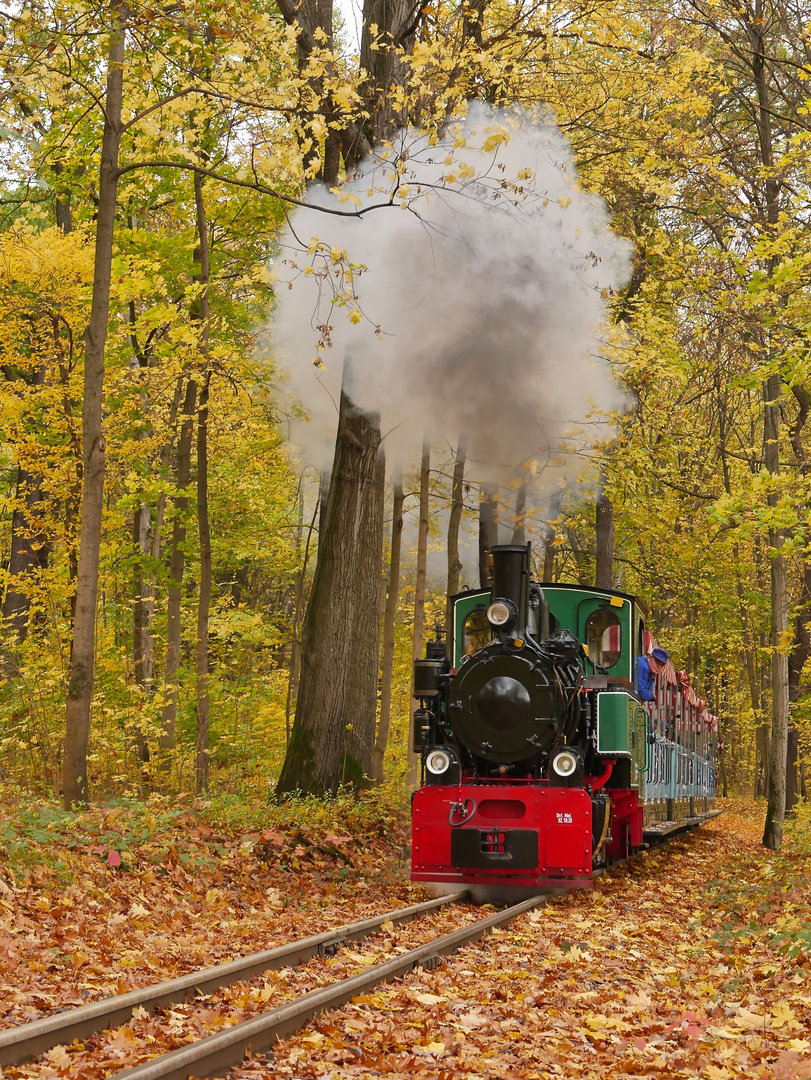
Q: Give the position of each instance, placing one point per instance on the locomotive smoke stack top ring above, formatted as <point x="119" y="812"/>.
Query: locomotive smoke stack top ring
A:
<point x="511" y="586"/>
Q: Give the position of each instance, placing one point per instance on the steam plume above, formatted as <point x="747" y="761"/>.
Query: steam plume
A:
<point x="478" y="296"/>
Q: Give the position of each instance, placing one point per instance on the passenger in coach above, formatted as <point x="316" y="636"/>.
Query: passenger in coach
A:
<point x="647" y="668"/>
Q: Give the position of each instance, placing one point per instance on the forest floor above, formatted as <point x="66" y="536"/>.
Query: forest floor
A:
<point x="692" y="961"/>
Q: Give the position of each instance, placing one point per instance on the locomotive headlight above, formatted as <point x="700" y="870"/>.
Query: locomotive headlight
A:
<point x="564" y="764"/>
<point x="438" y="762"/>
<point x="500" y="613"/>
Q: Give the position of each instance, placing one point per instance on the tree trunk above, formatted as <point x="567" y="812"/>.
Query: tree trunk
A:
<point x="384" y="35"/>
<point x="802" y="627"/>
<point x="177" y="564"/>
<point x="28" y="557"/>
<point x="75" y="788"/>
<point x="351" y="528"/>
<point x="144" y="597"/>
<point x="350" y="550"/>
<point x="203" y="705"/>
<point x="295" y="648"/>
<point x="604" y="572"/>
<point x="454" y="521"/>
<point x="776" y="800"/>
<point x="419" y="591"/>
<point x="792" y="771"/>
<point x="488" y="531"/>
<point x="142" y="651"/>
<point x="324" y="479"/>
<point x="778" y="746"/>
<point x="520" y="516"/>
<point x="147" y="542"/>
<point x="747" y="633"/>
<point x="364" y="671"/>
<point x="204" y="599"/>
<point x="549" y="555"/>
<point x="392" y="596"/>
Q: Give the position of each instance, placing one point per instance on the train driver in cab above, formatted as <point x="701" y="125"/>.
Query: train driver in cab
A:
<point x="647" y="668"/>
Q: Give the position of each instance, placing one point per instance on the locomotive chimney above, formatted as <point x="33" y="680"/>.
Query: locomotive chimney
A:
<point x="511" y="582"/>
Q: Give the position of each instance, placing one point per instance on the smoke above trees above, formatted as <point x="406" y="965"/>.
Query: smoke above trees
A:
<point x="469" y="294"/>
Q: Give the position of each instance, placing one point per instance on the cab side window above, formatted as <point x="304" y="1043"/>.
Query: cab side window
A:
<point x="476" y="632"/>
<point x="604" y="638"/>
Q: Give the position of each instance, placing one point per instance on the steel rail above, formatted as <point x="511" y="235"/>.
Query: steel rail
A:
<point x="215" y="1054"/>
<point x="27" y="1041"/>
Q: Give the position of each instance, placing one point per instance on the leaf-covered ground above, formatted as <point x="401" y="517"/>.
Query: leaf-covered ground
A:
<point x="694" y="961"/>
<point x="99" y="903"/>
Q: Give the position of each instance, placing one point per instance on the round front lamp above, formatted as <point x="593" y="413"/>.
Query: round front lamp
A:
<point x="499" y="614"/>
<point x="438" y="762"/>
<point x="564" y="764"/>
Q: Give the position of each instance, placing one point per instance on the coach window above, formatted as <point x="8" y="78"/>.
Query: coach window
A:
<point x="604" y="638"/>
<point x="477" y="631"/>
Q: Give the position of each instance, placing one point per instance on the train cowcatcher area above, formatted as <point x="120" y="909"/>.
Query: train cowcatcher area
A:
<point x="693" y="960"/>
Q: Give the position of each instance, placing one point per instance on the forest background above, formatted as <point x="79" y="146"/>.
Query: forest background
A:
<point x="159" y="532"/>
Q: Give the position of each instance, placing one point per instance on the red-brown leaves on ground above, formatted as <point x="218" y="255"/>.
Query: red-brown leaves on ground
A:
<point x="688" y="963"/>
<point x="694" y="961"/>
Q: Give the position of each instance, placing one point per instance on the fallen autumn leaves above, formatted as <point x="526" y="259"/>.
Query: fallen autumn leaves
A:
<point x="693" y="962"/>
<point x="75" y="927"/>
<point x="678" y="966"/>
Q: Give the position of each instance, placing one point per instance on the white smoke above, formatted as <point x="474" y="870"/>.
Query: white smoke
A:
<point x="479" y="296"/>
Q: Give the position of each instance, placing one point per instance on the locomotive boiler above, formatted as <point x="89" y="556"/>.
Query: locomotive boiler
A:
<point x="539" y="760"/>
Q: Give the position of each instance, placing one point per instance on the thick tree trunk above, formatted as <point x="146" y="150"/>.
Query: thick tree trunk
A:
<point x="75" y="789"/>
<point x="351" y="528"/>
<point x="364" y="672"/>
<point x="386" y="23"/>
<point x="177" y="565"/>
<point x="349" y="555"/>
<point x="454" y="521"/>
<point x="323" y="496"/>
<point x="392" y="596"/>
<point x="604" y="572"/>
<point x="488" y="531"/>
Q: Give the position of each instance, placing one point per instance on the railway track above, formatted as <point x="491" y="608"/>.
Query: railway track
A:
<point x="27" y="1041"/>
<point x="217" y="1052"/>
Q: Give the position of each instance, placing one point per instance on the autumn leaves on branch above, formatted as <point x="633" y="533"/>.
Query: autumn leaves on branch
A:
<point x="152" y="156"/>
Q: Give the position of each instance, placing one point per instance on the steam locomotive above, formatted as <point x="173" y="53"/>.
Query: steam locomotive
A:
<point x="540" y="762"/>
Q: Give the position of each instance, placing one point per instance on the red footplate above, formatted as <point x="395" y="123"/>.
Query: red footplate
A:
<point x="512" y="835"/>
